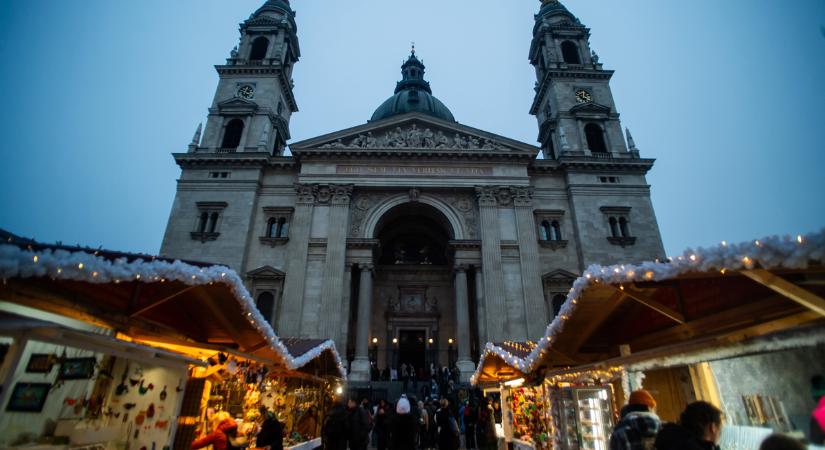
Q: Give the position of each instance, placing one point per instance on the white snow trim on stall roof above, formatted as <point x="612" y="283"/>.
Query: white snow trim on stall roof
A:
<point x="16" y="262"/>
<point x="767" y="253"/>
<point x="509" y="358"/>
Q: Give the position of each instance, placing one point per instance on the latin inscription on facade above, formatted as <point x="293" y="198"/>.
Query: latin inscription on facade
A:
<point x="460" y="171"/>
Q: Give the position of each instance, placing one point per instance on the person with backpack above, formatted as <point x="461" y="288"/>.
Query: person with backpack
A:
<point x="638" y="425"/>
<point x="448" y="435"/>
<point x="335" y="433"/>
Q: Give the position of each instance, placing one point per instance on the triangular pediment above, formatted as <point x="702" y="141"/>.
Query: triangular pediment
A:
<point x="237" y="104"/>
<point x="559" y="275"/>
<point x="265" y="273"/>
<point x="590" y="108"/>
<point x="414" y="131"/>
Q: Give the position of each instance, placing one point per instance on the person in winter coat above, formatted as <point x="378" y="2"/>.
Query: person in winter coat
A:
<point x="404" y="427"/>
<point x="272" y="432"/>
<point x="334" y="433"/>
<point x="424" y="426"/>
<point x="781" y="442"/>
<point x="699" y="428"/>
<point x="448" y="436"/>
<point x="638" y="425"/>
<point x="470" y="423"/>
<point x="382" y="426"/>
<point x="359" y="426"/>
<point x="219" y="438"/>
<point x="487" y="439"/>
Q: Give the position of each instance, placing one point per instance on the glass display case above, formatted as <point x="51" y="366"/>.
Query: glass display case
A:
<point x="584" y="417"/>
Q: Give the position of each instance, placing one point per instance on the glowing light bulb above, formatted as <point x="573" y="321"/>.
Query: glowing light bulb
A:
<point x="35" y="259"/>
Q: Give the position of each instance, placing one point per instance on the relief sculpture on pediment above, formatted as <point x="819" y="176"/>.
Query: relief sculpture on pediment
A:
<point x="417" y="138"/>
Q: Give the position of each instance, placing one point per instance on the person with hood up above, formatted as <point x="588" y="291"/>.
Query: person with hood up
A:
<point x="222" y="434"/>
<point x="404" y="427"/>
<point x="272" y="432"/>
<point x="699" y="428"/>
<point x="334" y="432"/>
<point x="638" y="425"/>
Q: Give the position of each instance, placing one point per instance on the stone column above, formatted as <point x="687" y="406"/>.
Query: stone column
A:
<point x="343" y="333"/>
<point x="534" y="312"/>
<point x="491" y="263"/>
<point x="289" y="323"/>
<point x="481" y="315"/>
<point x="361" y="364"/>
<point x="462" y="316"/>
<point x="331" y="290"/>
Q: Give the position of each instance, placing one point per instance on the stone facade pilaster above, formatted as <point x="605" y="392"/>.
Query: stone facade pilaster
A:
<point x="361" y="365"/>
<point x="462" y="313"/>
<point x="491" y="262"/>
<point x="481" y="310"/>
<point x="293" y="299"/>
<point x="535" y="312"/>
<point x="332" y="293"/>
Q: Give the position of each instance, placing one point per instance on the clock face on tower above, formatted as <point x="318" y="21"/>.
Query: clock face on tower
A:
<point x="582" y="96"/>
<point x="246" y="92"/>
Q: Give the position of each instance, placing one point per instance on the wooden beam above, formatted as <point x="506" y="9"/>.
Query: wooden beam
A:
<point x="231" y="330"/>
<point x="593" y="323"/>
<point x="160" y="302"/>
<point x="653" y="304"/>
<point x="802" y="296"/>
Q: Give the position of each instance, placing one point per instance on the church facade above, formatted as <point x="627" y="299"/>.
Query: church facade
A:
<point x="411" y="238"/>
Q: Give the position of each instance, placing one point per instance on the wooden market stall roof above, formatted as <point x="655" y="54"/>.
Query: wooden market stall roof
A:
<point x="144" y="297"/>
<point x="317" y="357"/>
<point x="502" y="361"/>
<point x="703" y="299"/>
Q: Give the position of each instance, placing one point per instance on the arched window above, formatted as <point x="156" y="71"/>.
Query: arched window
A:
<point x="570" y="52"/>
<point x="555" y="231"/>
<point x="595" y="138"/>
<point x="266" y="305"/>
<point x="545" y="231"/>
<point x="623" y="227"/>
<point x="232" y="134"/>
<point x="259" y="48"/>
<point x="558" y="301"/>
<point x="204" y="219"/>
<point x="614" y="227"/>
<point x="283" y="227"/>
<point x="213" y="222"/>
<point x="272" y="228"/>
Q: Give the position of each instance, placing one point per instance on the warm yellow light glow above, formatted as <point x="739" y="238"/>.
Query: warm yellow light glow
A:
<point x="80" y="266"/>
<point x="430" y="340"/>
<point x="374" y="340"/>
<point x="35" y="258"/>
<point x="339" y="390"/>
<point x="798" y="239"/>
<point x="450" y="341"/>
<point x="394" y="340"/>
<point x="514" y="383"/>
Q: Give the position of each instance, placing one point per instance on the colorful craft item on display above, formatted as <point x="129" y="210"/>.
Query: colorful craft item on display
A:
<point x="163" y="394"/>
<point x="134" y="382"/>
<point x="142" y="390"/>
<point x="122" y="388"/>
<point x="129" y="406"/>
<point x="162" y="424"/>
<point x="150" y="412"/>
<point x="140" y="418"/>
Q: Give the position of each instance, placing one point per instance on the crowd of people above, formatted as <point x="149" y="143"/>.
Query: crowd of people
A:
<point x="409" y="424"/>
<point x="429" y="380"/>
<point x="699" y="428"/>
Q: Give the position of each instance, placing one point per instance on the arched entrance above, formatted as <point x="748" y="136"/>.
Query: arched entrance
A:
<point x="413" y="299"/>
<point x="413" y="313"/>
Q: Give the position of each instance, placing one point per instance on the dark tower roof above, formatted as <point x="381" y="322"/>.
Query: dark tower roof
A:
<point x="413" y="94"/>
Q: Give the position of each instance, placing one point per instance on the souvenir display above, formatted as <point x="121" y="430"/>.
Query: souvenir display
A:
<point x="528" y="406"/>
<point x="583" y="417"/>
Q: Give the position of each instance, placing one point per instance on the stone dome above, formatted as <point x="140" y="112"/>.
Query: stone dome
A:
<point x="413" y="94"/>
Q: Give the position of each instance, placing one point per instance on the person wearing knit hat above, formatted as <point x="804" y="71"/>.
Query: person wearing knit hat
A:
<point x="638" y="425"/>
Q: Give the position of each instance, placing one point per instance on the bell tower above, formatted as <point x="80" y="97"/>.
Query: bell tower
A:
<point x="573" y="102"/>
<point x="254" y="99"/>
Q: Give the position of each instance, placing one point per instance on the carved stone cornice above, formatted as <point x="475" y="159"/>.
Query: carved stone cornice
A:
<point x="306" y="193"/>
<point x="341" y="194"/>
<point x="520" y="196"/>
<point x="368" y="244"/>
<point x="324" y="194"/>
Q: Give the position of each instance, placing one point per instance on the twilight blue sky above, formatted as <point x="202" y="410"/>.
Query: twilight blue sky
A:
<point x="728" y="96"/>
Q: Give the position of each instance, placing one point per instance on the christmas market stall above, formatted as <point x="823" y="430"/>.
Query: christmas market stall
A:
<point x="523" y="396"/>
<point x="739" y="326"/>
<point x="196" y="311"/>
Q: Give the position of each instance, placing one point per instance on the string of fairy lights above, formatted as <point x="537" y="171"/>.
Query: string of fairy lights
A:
<point x="82" y="265"/>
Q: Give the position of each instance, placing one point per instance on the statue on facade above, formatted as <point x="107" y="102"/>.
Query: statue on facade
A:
<point x="459" y="141"/>
<point x="399" y="254"/>
<point x="397" y="139"/>
<point x="234" y="53"/>
<point x="441" y="140"/>
<point x="431" y="304"/>
<point x="414" y="137"/>
<point x="370" y="141"/>
<point x="594" y="57"/>
<point x="428" y="136"/>
<point x="474" y="143"/>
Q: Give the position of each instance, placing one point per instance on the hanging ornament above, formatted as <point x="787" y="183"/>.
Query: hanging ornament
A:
<point x="163" y="394"/>
<point x="150" y="412"/>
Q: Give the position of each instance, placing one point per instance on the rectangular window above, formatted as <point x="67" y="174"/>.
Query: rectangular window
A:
<point x="277" y="224"/>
